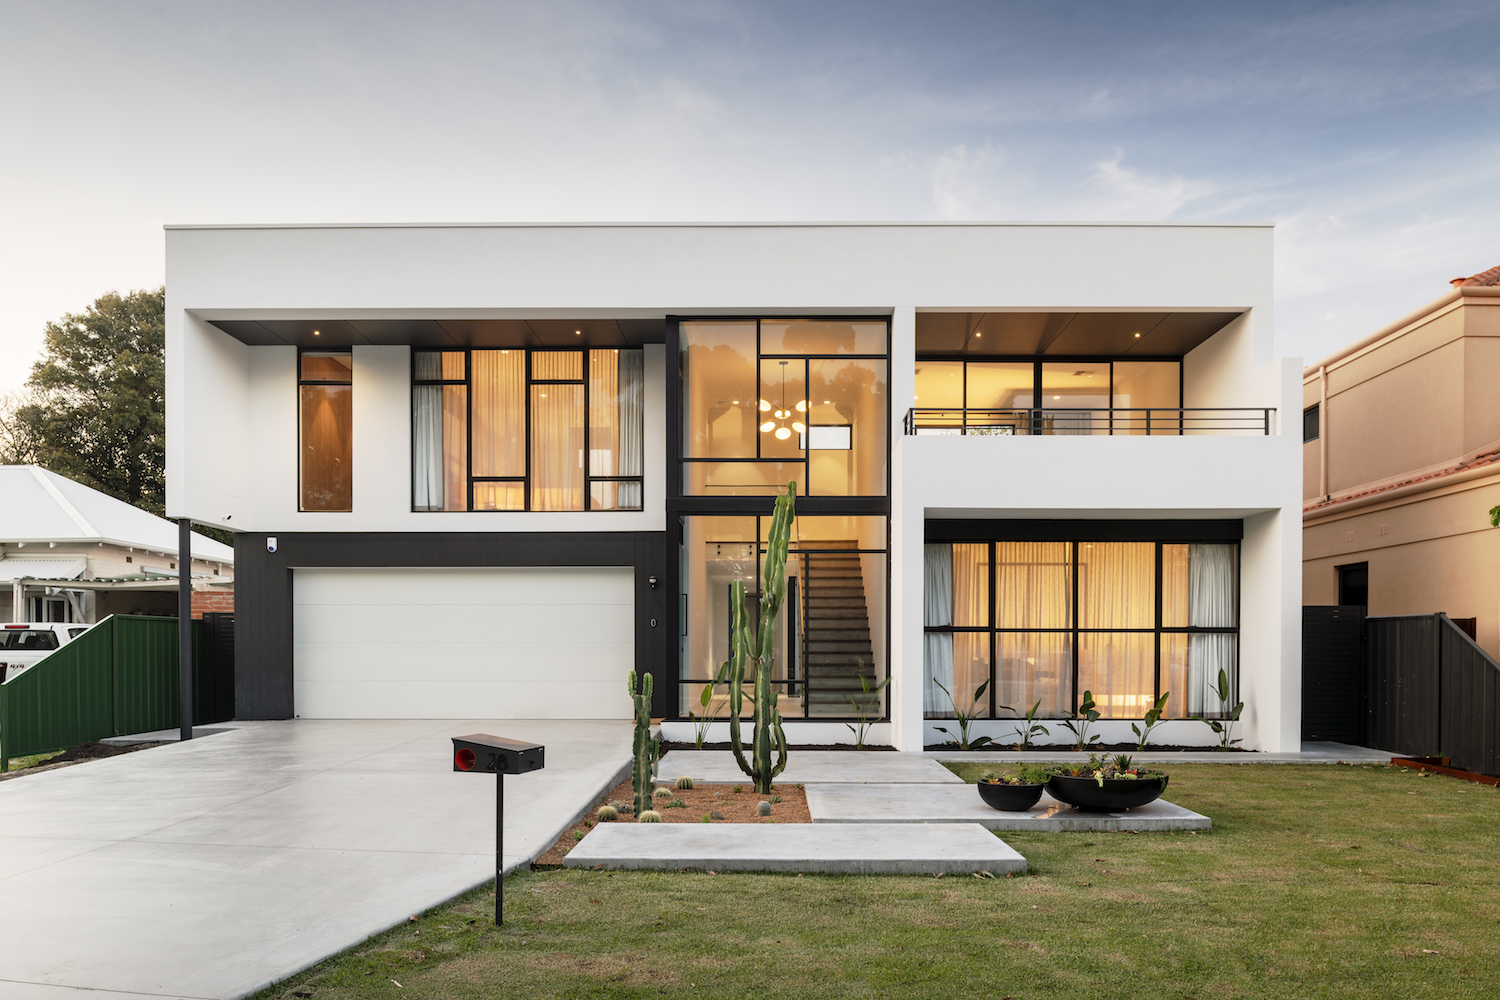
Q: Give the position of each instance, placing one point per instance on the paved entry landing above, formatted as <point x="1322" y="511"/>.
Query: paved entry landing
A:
<point x="961" y="804"/>
<point x="866" y="849"/>
<point x="214" y="867"/>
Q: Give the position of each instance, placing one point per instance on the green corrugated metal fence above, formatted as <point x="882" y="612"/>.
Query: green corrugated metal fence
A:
<point x="119" y="677"/>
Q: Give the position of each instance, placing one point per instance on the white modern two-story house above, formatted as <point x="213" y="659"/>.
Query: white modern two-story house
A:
<point x="483" y="471"/>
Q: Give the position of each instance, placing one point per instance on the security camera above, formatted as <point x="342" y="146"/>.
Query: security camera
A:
<point x="270" y="543"/>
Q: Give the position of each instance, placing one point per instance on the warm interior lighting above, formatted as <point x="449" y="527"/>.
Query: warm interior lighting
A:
<point x="782" y="412"/>
<point x="577" y="333"/>
<point x="1057" y="397"/>
<point x="1137" y="335"/>
<point x="315" y="333"/>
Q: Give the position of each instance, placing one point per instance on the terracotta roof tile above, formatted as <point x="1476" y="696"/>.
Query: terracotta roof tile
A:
<point x="1490" y="277"/>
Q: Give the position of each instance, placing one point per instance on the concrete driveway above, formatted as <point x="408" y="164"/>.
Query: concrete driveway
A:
<point x="215" y="867"/>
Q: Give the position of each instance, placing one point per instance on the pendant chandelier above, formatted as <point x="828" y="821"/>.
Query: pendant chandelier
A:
<point x="777" y="422"/>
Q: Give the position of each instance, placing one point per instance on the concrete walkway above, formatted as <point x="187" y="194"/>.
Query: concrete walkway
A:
<point x="214" y="867"/>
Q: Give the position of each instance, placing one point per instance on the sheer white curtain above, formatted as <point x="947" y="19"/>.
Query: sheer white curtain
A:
<point x="426" y="445"/>
<point x="632" y="418"/>
<point x="937" y="653"/>
<point x="1210" y="605"/>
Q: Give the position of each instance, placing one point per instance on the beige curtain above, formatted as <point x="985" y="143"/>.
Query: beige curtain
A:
<point x="1033" y="590"/>
<point x="1117" y="590"/>
<point x="499" y="414"/>
<point x="557" y="447"/>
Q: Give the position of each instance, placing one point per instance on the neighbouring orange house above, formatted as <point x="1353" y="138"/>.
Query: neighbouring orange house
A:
<point x="1401" y="465"/>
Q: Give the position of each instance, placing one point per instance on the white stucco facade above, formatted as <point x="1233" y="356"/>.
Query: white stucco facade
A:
<point x="232" y="418"/>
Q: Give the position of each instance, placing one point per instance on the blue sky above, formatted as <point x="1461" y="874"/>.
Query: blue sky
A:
<point x="1366" y="131"/>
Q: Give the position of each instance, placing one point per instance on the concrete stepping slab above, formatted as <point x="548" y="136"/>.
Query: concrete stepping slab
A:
<point x="806" y="767"/>
<point x="895" y="804"/>
<point x="862" y="849"/>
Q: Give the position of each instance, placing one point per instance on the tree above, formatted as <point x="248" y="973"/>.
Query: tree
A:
<point x="96" y="409"/>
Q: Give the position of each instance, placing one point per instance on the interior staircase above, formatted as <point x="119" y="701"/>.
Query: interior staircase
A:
<point x="836" y="626"/>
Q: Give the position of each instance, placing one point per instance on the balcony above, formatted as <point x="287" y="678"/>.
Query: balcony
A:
<point x="1175" y="422"/>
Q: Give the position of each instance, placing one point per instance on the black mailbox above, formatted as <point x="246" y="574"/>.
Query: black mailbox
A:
<point x="485" y="754"/>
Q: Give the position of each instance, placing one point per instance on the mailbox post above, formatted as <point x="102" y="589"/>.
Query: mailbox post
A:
<point x="484" y="754"/>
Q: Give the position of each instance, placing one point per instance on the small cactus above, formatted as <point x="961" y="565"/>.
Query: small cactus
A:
<point x="662" y="793"/>
<point x="675" y="804"/>
<point x="736" y="789"/>
<point x="775" y="799"/>
<point x="650" y="816"/>
<point x="607" y="814"/>
<point x="684" y="782"/>
<point x="716" y="815"/>
<point x="763" y="809"/>
<point x="706" y="818"/>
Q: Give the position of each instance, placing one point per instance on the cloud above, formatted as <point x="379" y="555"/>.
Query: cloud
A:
<point x="1131" y="194"/>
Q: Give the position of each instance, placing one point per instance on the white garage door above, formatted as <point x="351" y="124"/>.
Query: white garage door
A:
<point x="462" y="643"/>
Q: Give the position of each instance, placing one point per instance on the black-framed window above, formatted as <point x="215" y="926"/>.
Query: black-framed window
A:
<point x="1044" y="620"/>
<point x="325" y="430"/>
<point x="528" y="430"/>
<point x="1006" y="394"/>
<point x="1312" y="423"/>
<point x="769" y="401"/>
<point x="832" y="630"/>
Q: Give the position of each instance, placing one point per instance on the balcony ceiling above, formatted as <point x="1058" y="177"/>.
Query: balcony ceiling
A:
<point x="449" y="333"/>
<point x="1081" y="334"/>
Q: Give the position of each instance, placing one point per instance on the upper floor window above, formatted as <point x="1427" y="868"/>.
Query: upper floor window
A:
<point x="1048" y="397"/>
<point x="325" y="392"/>
<point x="765" y="402"/>
<point x="1311" y="420"/>
<point x="513" y="429"/>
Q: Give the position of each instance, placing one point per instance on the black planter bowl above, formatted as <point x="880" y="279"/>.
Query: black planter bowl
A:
<point x="1010" y="798"/>
<point x="1116" y="793"/>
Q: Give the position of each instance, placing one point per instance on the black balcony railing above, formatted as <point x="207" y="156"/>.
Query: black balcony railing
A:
<point x="1142" y="422"/>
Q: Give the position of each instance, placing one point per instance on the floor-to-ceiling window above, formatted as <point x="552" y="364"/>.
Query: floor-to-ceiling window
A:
<point x="1044" y="619"/>
<point x="763" y="403"/>
<point x="1057" y="397"/>
<point x="516" y="429"/>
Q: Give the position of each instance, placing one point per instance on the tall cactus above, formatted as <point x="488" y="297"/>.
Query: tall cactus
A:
<point x="644" y="748"/>
<point x="766" y="718"/>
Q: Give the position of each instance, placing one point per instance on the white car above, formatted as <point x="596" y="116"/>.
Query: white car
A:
<point x="24" y="643"/>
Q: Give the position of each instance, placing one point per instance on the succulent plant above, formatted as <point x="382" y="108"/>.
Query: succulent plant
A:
<point x="707" y="818"/>
<point x="650" y="816"/>
<point x="684" y="782"/>
<point x="607" y="814"/>
<point x="763" y="809"/>
<point x="775" y="799"/>
<point x="662" y="793"/>
<point x="716" y="815"/>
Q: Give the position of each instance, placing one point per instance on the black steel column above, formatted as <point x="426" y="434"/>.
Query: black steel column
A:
<point x="185" y="626"/>
<point x="500" y="847"/>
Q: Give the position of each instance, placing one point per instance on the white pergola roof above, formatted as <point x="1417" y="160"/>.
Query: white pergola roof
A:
<point x="41" y="506"/>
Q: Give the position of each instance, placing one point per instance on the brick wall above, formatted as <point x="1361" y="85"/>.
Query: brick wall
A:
<point x="213" y="601"/>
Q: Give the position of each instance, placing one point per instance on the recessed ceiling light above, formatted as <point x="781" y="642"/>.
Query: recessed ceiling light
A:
<point x="827" y="402"/>
<point x="315" y="333"/>
<point x="577" y="333"/>
<point x="1137" y="335"/>
<point x="977" y="334"/>
<point x="736" y="402"/>
<point x="1057" y="397"/>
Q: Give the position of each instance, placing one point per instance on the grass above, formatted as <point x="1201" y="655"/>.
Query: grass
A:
<point x="18" y="763"/>
<point x="1316" y="881"/>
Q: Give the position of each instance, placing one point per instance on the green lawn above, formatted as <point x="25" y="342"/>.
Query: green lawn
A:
<point x="1317" y="881"/>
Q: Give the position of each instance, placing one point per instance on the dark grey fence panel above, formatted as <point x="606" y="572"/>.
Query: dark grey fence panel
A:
<point x="1403" y="684"/>
<point x="1333" y="674"/>
<point x="1470" y="703"/>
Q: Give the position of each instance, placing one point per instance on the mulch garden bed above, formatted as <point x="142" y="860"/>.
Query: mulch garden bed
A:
<point x="675" y="745"/>
<point x="720" y="803"/>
